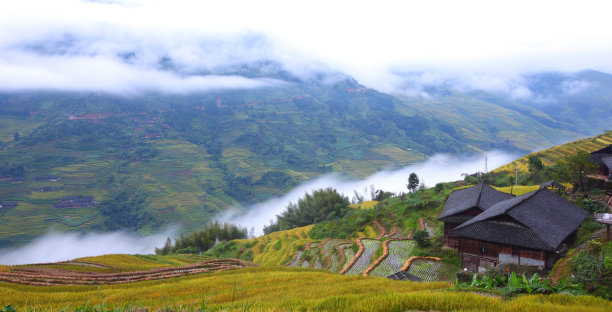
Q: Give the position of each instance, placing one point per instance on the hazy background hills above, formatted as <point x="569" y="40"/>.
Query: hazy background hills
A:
<point x="155" y="159"/>
<point x="161" y="113"/>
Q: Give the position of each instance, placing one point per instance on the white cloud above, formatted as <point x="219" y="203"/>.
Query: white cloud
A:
<point x="439" y="168"/>
<point x="55" y="246"/>
<point x="99" y="73"/>
<point x="573" y="87"/>
<point x="367" y="40"/>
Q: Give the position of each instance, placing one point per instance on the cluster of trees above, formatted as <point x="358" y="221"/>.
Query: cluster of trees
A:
<point x="110" y="129"/>
<point x="569" y="169"/>
<point x="323" y="205"/>
<point x="203" y="240"/>
<point x="12" y="169"/>
<point x="125" y="211"/>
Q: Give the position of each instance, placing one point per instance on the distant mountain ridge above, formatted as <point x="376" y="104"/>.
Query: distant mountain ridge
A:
<point x="156" y="159"/>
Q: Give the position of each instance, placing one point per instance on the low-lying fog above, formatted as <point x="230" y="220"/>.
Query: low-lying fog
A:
<point x="439" y="168"/>
<point x="65" y="246"/>
<point x="56" y="246"/>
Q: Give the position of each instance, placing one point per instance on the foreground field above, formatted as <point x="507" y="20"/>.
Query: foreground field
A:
<point x="276" y="289"/>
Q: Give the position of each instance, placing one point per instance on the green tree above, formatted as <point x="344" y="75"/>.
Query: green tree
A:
<point x="572" y="168"/>
<point x="420" y="237"/>
<point x="413" y="182"/>
<point x="535" y="163"/>
<point x="323" y="205"/>
<point x="125" y="211"/>
<point x="202" y="240"/>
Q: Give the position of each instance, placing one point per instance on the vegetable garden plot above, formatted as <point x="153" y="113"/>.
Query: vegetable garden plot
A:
<point x="365" y="260"/>
<point x="330" y="245"/>
<point x="336" y="266"/>
<point x="431" y="230"/>
<point x="399" y="251"/>
<point x="317" y="263"/>
<point x="348" y="253"/>
<point x="297" y="260"/>
<point x="430" y="270"/>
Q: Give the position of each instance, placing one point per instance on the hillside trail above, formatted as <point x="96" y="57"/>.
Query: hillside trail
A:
<point x="381" y="228"/>
<point x="556" y="276"/>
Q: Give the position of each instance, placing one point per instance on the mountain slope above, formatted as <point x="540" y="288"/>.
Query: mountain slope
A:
<point x="150" y="160"/>
<point x="551" y="155"/>
<point x="154" y="160"/>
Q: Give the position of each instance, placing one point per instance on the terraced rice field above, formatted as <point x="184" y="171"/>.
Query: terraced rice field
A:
<point x="399" y="252"/>
<point x="44" y="275"/>
<point x="349" y="254"/>
<point x="430" y="270"/>
<point x="365" y="260"/>
<point x="551" y="155"/>
<point x="279" y="289"/>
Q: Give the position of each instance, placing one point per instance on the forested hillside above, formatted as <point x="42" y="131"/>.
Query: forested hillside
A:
<point x="93" y="161"/>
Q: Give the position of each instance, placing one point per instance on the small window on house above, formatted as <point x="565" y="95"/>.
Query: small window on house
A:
<point x="483" y="248"/>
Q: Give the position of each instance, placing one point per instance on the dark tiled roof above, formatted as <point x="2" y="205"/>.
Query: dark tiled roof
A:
<point x="8" y="204"/>
<point x="552" y="183"/>
<point x="548" y="216"/>
<point x="481" y="196"/>
<point x="607" y="162"/>
<point x="507" y="233"/>
<point x="597" y="157"/>
<point x="605" y="150"/>
<point x="404" y="276"/>
<point x="457" y="219"/>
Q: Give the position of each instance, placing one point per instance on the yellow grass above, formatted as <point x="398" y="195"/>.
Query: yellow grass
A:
<point x="265" y="250"/>
<point x="368" y="232"/>
<point x="365" y="205"/>
<point x="285" y="289"/>
<point x="517" y="190"/>
<point x="124" y="261"/>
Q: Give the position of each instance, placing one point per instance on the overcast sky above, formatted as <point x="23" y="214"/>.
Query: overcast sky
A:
<point x="116" y="45"/>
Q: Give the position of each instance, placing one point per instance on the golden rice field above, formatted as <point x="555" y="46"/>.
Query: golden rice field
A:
<point x="281" y="289"/>
<point x="517" y="190"/>
<point x="365" y="205"/>
<point x="268" y="252"/>
<point x="551" y="155"/>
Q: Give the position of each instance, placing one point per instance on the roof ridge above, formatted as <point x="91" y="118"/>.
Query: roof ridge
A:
<point x="505" y="211"/>
<point x="479" y="194"/>
<point x="522" y="200"/>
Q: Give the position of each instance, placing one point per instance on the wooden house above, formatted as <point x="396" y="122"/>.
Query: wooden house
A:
<point x="533" y="229"/>
<point x="603" y="158"/>
<point x="75" y="202"/>
<point x="463" y="204"/>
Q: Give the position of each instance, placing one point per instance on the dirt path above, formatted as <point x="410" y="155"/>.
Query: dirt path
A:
<point x="381" y="228"/>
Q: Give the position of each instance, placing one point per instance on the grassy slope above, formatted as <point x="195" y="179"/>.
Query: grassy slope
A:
<point x="267" y="250"/>
<point x="481" y="121"/>
<point x="267" y="289"/>
<point x="551" y="155"/>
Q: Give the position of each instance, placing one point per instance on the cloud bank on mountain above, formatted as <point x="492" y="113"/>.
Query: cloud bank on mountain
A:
<point x="131" y="46"/>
